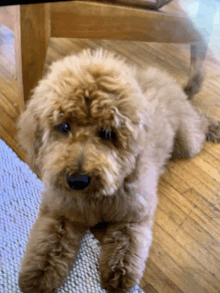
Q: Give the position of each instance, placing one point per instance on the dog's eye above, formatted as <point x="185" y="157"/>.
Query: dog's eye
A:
<point x="64" y="128"/>
<point x="107" y="134"/>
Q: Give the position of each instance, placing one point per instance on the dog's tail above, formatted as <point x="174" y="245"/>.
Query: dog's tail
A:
<point x="194" y="85"/>
<point x="197" y="73"/>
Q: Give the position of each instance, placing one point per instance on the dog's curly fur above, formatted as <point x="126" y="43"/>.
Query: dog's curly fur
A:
<point x="149" y="119"/>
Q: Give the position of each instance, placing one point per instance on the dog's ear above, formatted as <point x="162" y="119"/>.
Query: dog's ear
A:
<point x="30" y="133"/>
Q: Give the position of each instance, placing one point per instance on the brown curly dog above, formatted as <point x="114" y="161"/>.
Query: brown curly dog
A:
<point x="99" y="132"/>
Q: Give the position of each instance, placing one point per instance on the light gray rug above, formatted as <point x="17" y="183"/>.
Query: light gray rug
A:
<point x="19" y="203"/>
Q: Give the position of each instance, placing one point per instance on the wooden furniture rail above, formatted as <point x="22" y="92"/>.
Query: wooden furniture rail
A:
<point x="34" y="24"/>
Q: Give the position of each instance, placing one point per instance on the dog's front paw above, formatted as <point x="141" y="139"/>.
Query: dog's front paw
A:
<point x="40" y="280"/>
<point x="50" y="253"/>
<point x="117" y="268"/>
<point x="123" y="254"/>
<point x="117" y="281"/>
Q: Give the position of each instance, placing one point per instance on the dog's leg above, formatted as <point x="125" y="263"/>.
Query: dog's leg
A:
<point x="123" y="254"/>
<point x="50" y="253"/>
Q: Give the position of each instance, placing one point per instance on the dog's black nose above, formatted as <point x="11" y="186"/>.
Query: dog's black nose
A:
<point x="77" y="181"/>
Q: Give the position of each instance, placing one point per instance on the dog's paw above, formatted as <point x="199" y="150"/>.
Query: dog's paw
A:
<point x="118" y="281"/>
<point x="213" y="133"/>
<point x="40" y="281"/>
<point x="123" y="254"/>
<point x="117" y="272"/>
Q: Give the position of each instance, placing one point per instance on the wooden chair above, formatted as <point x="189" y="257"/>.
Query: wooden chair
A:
<point x="34" y="24"/>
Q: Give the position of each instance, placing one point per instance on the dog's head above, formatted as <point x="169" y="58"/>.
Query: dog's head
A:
<point x="83" y="126"/>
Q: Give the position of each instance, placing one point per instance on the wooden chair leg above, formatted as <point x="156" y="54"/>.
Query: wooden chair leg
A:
<point x="32" y="34"/>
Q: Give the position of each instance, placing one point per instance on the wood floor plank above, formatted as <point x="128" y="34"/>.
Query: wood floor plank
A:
<point x="195" y="168"/>
<point x="175" y="181"/>
<point x="185" y="260"/>
<point x="186" y="240"/>
<point x="202" y="236"/>
<point x="201" y="185"/>
<point x="149" y="289"/>
<point x="186" y="222"/>
<point x="8" y="107"/>
<point x="206" y="214"/>
<point x="158" y="279"/>
<point x="177" y="276"/>
<point x="213" y="172"/>
<point x="212" y="160"/>
<point x="213" y="149"/>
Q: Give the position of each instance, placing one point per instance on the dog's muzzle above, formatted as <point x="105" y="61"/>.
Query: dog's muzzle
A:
<point x="78" y="182"/>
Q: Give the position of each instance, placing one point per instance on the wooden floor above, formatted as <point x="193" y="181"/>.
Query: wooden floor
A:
<point x="185" y="255"/>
